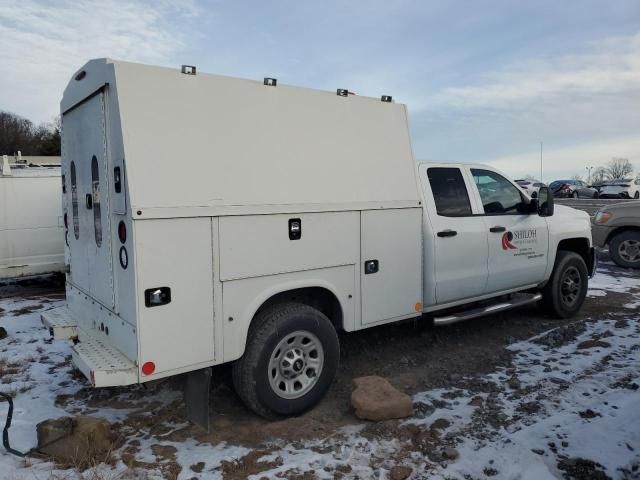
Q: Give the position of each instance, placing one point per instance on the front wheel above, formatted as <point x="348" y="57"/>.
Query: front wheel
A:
<point x="566" y="290"/>
<point x="290" y="360"/>
<point x="624" y="249"/>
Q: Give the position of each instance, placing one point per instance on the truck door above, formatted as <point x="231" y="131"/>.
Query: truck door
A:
<point x="518" y="241"/>
<point x="459" y="238"/>
<point x="86" y="202"/>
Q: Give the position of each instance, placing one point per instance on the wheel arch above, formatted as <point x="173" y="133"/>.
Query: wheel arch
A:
<point x="317" y="293"/>
<point x="621" y="229"/>
<point x="580" y="245"/>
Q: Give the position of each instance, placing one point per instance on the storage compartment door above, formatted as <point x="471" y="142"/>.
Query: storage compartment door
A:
<point x="391" y="264"/>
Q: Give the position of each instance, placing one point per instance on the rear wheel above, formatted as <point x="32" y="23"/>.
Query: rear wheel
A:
<point x="624" y="249"/>
<point x="566" y="290"/>
<point x="574" y="194"/>
<point x="290" y="361"/>
<point x="637" y="195"/>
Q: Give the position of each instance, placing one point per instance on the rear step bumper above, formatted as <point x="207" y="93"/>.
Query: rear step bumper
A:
<point x="101" y="363"/>
<point x="518" y="300"/>
<point x="61" y="324"/>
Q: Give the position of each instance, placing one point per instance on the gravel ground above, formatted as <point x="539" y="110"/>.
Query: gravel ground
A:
<point x="514" y="395"/>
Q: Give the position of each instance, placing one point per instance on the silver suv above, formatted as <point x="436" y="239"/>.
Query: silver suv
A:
<point x="619" y="227"/>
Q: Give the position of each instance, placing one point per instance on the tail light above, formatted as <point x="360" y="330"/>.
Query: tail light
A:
<point x="564" y="187"/>
<point x="122" y="232"/>
<point x="148" y="368"/>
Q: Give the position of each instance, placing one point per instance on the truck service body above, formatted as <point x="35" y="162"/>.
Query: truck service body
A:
<point x="214" y="220"/>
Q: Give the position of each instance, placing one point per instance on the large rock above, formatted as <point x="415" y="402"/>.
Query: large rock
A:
<point x="81" y="441"/>
<point x="375" y="399"/>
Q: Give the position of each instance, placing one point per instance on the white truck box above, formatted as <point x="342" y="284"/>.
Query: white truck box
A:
<point x="31" y="222"/>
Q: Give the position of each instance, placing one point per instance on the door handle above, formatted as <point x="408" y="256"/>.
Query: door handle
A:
<point x="447" y="233"/>
<point x="497" y="229"/>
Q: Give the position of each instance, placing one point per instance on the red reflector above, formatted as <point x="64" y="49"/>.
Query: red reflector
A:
<point x="122" y="232"/>
<point x="148" y="368"/>
<point x="81" y="74"/>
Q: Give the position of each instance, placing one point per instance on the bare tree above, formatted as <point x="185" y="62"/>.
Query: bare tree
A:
<point x="619" y="168"/>
<point x="599" y="175"/>
<point x="18" y="133"/>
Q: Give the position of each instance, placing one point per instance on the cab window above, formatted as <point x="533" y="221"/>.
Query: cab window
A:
<point x="449" y="192"/>
<point x="499" y="196"/>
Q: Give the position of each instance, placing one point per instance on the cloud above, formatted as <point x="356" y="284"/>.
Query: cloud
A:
<point x="609" y="67"/>
<point x="43" y="43"/>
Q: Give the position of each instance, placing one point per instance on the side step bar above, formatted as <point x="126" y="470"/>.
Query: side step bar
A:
<point x="518" y="300"/>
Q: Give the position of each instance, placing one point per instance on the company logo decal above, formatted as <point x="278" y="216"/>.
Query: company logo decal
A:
<point x="507" y="237"/>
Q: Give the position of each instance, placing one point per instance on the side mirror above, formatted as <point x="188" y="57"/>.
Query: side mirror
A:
<point x="545" y="202"/>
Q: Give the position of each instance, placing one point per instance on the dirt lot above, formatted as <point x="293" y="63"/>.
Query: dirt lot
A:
<point x="515" y="395"/>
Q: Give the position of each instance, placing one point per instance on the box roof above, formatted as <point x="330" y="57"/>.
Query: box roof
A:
<point x="208" y="143"/>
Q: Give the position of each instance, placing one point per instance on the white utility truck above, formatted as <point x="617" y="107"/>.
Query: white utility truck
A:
<point x="31" y="222"/>
<point x="213" y="220"/>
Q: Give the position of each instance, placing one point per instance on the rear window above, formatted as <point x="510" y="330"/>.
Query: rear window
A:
<point x="449" y="192"/>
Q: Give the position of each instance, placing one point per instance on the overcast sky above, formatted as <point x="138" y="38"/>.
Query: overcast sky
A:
<point x="485" y="81"/>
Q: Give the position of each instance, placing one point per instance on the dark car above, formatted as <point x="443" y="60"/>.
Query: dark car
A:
<point x="572" y="189"/>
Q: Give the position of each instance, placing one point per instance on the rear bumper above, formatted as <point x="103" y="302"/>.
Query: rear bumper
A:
<point x="102" y="364"/>
<point x="563" y="194"/>
<point x="615" y="195"/>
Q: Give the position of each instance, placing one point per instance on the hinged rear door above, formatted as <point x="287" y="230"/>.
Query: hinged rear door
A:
<point x="87" y="202"/>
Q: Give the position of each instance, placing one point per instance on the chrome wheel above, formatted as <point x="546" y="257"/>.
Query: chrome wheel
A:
<point x="629" y="250"/>
<point x="570" y="286"/>
<point x="295" y="364"/>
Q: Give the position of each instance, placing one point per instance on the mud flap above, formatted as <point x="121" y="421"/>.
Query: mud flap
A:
<point x="197" y="391"/>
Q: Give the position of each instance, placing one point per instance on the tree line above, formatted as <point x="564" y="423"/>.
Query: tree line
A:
<point x="20" y="134"/>
<point x="616" y="168"/>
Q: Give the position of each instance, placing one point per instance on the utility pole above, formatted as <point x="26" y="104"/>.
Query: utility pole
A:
<point x="589" y="174"/>
<point x="541" y="163"/>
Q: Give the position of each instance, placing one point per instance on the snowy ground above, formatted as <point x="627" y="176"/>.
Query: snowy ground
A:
<point x="566" y="404"/>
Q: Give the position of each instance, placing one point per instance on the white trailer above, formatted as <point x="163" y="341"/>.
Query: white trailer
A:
<point x="214" y="220"/>
<point x="31" y="221"/>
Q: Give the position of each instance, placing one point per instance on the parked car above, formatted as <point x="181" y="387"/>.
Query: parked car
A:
<point x="618" y="226"/>
<point x="621" y="188"/>
<point x="572" y="189"/>
<point x="531" y="186"/>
